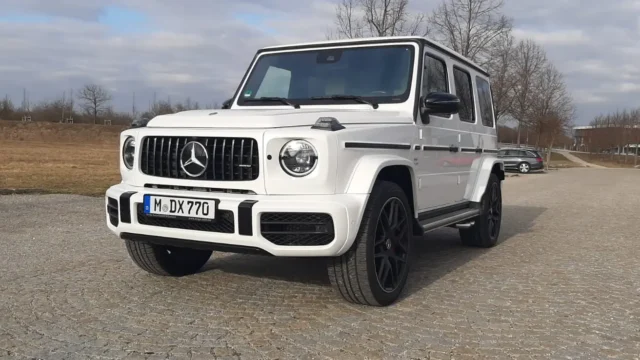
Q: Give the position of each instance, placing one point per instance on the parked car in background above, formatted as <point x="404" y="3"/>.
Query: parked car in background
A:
<point x="523" y="160"/>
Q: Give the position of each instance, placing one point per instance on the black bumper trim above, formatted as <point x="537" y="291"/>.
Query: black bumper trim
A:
<point x="125" y="207"/>
<point x="245" y="221"/>
<point x="194" y="244"/>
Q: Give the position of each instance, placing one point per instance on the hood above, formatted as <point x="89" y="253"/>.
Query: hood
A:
<point x="261" y="118"/>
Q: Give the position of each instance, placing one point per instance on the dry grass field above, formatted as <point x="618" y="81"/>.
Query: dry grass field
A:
<point x="59" y="158"/>
<point x="74" y="168"/>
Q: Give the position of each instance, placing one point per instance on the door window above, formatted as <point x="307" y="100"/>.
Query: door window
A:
<point x="484" y="99"/>
<point x="465" y="92"/>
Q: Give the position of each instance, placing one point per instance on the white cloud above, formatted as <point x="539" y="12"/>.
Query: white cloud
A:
<point x="554" y="37"/>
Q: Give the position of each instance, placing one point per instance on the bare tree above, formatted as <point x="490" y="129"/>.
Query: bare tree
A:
<point x="94" y="100"/>
<point x="363" y="18"/>
<point x="7" y="109"/>
<point x="529" y="61"/>
<point x="552" y="109"/>
<point x="470" y="27"/>
<point x="502" y="75"/>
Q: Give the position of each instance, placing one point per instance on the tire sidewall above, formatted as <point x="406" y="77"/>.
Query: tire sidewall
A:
<point x="382" y="193"/>
<point x="486" y="205"/>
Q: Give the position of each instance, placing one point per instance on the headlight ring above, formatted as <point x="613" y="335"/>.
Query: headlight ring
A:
<point x="128" y="152"/>
<point x="298" y="158"/>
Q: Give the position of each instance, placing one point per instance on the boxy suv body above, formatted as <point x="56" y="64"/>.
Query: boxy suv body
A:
<point x="348" y="150"/>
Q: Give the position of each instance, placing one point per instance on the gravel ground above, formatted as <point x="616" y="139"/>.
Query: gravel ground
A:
<point x="564" y="282"/>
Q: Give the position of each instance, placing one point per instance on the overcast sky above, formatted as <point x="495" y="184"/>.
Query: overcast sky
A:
<point x="202" y="48"/>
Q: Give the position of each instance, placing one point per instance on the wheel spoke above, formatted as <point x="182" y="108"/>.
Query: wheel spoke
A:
<point x="398" y="258"/>
<point x="380" y="240"/>
<point x="387" y="271"/>
<point x="383" y="264"/>
<point x="386" y="227"/>
<point x="394" y="274"/>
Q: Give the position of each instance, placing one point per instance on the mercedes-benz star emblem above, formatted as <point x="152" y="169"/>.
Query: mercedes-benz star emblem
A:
<point x="194" y="159"/>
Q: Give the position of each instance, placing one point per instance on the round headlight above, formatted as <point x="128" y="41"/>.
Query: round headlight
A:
<point x="298" y="158"/>
<point x="128" y="152"/>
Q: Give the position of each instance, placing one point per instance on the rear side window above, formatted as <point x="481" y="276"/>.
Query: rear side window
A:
<point x="435" y="76"/>
<point x="465" y="92"/>
<point x="484" y="98"/>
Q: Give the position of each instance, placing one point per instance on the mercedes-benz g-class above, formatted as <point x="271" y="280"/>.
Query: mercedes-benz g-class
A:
<point x="349" y="150"/>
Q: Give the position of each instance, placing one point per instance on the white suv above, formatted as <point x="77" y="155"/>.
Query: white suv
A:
<point x="349" y="150"/>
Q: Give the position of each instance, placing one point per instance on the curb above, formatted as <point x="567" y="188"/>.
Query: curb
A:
<point x="22" y="191"/>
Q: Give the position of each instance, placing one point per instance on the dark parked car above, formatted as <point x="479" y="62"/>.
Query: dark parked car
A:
<point x="523" y="160"/>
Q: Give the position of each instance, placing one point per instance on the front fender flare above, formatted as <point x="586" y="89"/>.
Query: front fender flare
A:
<point x="367" y="169"/>
<point x="475" y="190"/>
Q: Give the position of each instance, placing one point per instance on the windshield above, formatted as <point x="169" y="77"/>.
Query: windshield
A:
<point x="379" y="74"/>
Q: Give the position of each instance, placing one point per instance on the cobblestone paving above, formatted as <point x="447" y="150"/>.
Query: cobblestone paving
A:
<point x="564" y="282"/>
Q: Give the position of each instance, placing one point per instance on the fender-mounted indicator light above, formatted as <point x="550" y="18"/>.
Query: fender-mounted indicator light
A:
<point x="327" y="123"/>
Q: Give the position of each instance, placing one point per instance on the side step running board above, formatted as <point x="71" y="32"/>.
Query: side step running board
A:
<point x="449" y="219"/>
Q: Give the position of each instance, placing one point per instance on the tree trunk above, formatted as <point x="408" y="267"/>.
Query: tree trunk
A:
<point x="519" y="123"/>
<point x="549" y="153"/>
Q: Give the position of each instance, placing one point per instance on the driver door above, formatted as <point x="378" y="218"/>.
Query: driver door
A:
<point x="438" y="176"/>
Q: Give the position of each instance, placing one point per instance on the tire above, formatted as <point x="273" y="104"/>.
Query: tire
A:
<point x="486" y="230"/>
<point x="166" y="260"/>
<point x="354" y="275"/>
<point x="524" y="167"/>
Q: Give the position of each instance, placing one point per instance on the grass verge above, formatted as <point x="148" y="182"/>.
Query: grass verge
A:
<point x="607" y="160"/>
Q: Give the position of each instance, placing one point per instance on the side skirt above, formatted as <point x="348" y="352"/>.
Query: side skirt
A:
<point x="448" y="216"/>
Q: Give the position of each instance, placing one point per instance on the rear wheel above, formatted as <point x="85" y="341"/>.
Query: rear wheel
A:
<point x="166" y="260"/>
<point x="486" y="229"/>
<point x="375" y="269"/>
<point x="524" y="167"/>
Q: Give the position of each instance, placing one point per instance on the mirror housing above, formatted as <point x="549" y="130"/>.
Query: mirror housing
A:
<point x="227" y="104"/>
<point x="441" y="103"/>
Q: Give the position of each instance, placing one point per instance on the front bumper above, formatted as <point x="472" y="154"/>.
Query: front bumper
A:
<point x="240" y="224"/>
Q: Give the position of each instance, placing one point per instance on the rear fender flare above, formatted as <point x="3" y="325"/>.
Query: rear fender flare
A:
<point x="485" y="168"/>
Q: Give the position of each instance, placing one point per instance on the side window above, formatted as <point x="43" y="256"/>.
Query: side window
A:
<point x="465" y="93"/>
<point x="435" y="76"/>
<point x="484" y="97"/>
<point x="276" y="82"/>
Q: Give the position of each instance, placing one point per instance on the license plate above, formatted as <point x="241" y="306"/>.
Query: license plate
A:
<point x="200" y="209"/>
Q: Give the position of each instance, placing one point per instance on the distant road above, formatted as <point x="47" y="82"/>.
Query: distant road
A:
<point x="577" y="160"/>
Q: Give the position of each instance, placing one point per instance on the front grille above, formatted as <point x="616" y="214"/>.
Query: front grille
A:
<point x="230" y="159"/>
<point x="224" y="222"/>
<point x="297" y="229"/>
<point x="112" y="210"/>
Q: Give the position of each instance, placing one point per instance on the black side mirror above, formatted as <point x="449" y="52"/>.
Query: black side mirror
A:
<point x="227" y="104"/>
<point x="440" y="103"/>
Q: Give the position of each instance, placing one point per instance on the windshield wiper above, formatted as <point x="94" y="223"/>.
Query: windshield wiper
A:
<point x="346" y="97"/>
<point x="275" y="98"/>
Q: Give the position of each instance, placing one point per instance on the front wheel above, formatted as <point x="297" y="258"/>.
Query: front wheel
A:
<point x="486" y="229"/>
<point x="166" y="260"/>
<point x="375" y="269"/>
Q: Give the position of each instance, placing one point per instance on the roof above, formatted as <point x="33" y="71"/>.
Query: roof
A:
<point x="434" y="43"/>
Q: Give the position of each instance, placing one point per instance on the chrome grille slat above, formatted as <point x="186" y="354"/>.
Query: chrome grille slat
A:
<point x="161" y="157"/>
